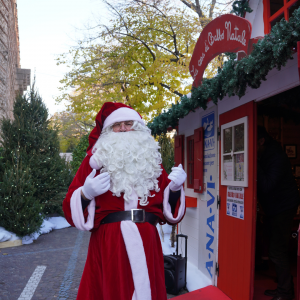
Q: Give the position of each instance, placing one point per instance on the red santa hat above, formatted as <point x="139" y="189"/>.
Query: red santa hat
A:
<point x="109" y="114"/>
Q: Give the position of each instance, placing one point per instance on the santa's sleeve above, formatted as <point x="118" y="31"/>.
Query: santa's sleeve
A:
<point x="72" y="207"/>
<point x="177" y="215"/>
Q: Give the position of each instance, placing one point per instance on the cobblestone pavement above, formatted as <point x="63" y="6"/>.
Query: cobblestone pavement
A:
<point x="63" y="253"/>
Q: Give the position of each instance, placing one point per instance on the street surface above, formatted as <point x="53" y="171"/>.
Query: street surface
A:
<point x="49" y="268"/>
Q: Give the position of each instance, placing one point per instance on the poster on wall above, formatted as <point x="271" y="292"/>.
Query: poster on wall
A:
<point x="239" y="167"/>
<point x="227" y="169"/>
<point x="235" y="202"/>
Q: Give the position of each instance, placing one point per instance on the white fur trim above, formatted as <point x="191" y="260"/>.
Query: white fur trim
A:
<point x="133" y="201"/>
<point x="134" y="296"/>
<point x="94" y="164"/>
<point x="136" y="254"/>
<point x="77" y="213"/>
<point x="122" y="114"/>
<point x="167" y="207"/>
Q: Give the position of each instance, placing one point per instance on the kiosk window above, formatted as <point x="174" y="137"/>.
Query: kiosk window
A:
<point x="275" y="10"/>
<point x="234" y="163"/>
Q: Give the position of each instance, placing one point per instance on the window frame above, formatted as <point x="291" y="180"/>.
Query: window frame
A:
<point x="268" y="19"/>
<point x="243" y="183"/>
<point x="190" y="162"/>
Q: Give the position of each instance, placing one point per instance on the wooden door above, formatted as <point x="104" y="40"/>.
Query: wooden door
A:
<point x="236" y="236"/>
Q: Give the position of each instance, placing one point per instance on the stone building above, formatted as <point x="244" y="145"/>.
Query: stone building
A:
<point x="13" y="79"/>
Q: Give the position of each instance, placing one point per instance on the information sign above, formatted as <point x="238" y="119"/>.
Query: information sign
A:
<point x="235" y="202"/>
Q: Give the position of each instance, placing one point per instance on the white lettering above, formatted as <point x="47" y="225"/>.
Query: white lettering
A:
<point x="200" y="61"/>
<point x="195" y="74"/>
<point x="206" y="47"/>
<point x="234" y="36"/>
<point x="215" y="38"/>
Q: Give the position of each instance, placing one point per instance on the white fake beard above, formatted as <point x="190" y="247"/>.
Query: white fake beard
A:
<point x="132" y="160"/>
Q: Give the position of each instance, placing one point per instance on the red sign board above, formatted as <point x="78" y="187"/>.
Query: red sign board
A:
<point x="227" y="33"/>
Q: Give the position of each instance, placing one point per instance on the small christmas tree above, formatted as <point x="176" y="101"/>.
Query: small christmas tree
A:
<point x="166" y="144"/>
<point x="30" y="136"/>
<point x="20" y="211"/>
<point x="79" y="152"/>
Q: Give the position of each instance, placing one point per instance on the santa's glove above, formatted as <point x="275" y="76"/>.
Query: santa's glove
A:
<point x="95" y="186"/>
<point x="94" y="164"/>
<point x="178" y="177"/>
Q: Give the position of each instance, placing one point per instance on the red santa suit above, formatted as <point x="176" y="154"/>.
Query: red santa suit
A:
<point x="125" y="260"/>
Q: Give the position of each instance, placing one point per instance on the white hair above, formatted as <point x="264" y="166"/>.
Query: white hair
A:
<point x="132" y="159"/>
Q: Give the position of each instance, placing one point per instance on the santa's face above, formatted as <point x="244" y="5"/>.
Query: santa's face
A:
<point x="122" y="126"/>
<point x="132" y="159"/>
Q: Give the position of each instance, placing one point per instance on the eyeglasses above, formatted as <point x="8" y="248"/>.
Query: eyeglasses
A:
<point x="127" y="124"/>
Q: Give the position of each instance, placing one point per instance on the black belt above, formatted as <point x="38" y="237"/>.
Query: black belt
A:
<point x="134" y="215"/>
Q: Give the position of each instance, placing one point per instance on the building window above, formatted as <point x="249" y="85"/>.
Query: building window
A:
<point x="275" y="10"/>
<point x="234" y="158"/>
<point x="190" y="161"/>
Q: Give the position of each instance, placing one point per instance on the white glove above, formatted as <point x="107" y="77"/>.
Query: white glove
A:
<point x="94" y="164"/>
<point x="178" y="177"/>
<point x="95" y="186"/>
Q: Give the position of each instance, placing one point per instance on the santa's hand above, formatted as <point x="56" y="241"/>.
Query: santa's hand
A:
<point x="95" y="186"/>
<point x="178" y="177"/>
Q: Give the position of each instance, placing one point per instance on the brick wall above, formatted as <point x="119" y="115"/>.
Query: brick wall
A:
<point x="10" y="69"/>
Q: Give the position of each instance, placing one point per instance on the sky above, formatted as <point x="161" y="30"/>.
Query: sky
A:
<point x="48" y="28"/>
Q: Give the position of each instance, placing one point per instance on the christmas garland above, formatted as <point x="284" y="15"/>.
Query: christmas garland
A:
<point x="240" y="7"/>
<point x="233" y="79"/>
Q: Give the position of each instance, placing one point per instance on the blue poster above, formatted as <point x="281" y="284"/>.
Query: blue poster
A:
<point x="208" y="124"/>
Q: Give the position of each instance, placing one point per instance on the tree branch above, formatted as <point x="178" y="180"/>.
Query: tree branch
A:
<point x="136" y="38"/>
<point x="212" y="7"/>
<point x="196" y="8"/>
<point x="190" y="5"/>
<point x="141" y="64"/>
<point x="169" y="88"/>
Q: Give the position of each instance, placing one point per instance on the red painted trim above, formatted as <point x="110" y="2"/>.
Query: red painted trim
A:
<point x="190" y="161"/>
<point x="236" y="251"/>
<point x="198" y="160"/>
<point x="254" y="203"/>
<point x="190" y="201"/>
<point x="179" y="150"/>
<point x="277" y="14"/>
<point x="266" y="16"/>
<point x="298" y="55"/>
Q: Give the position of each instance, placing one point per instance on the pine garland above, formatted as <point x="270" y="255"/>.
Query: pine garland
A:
<point x="240" y="7"/>
<point x="233" y="79"/>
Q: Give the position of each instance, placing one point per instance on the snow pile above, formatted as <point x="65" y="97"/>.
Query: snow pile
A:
<point x="195" y="278"/>
<point x="165" y="240"/>
<point x="47" y="226"/>
<point x="7" y="235"/>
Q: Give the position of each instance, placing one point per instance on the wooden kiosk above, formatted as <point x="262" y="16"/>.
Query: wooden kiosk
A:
<point x="216" y="141"/>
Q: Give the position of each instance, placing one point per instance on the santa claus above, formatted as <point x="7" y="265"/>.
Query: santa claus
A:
<point x="120" y="192"/>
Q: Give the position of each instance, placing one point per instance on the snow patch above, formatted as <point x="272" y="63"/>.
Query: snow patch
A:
<point x="47" y="226"/>
<point x="7" y="235"/>
<point x="59" y="222"/>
